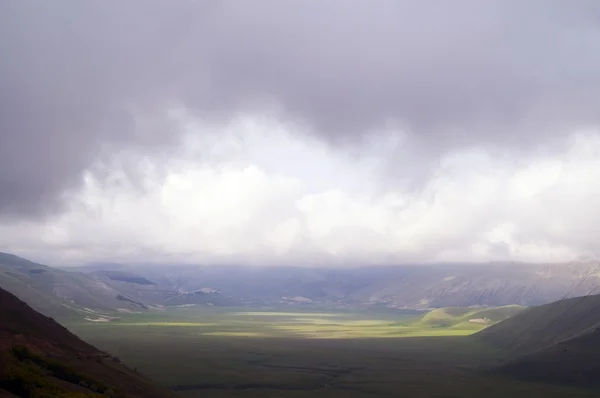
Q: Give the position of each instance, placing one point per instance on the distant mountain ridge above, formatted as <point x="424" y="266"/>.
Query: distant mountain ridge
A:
<point x="414" y="287"/>
<point x="110" y="287"/>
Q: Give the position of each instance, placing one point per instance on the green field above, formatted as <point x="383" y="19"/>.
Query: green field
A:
<point x="211" y="352"/>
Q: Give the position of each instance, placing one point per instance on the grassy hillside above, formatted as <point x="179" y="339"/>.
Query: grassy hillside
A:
<point x="55" y="292"/>
<point x="22" y="278"/>
<point x="543" y="326"/>
<point x="468" y="317"/>
<point x="40" y="358"/>
<point x="558" y="342"/>
<point x="134" y="286"/>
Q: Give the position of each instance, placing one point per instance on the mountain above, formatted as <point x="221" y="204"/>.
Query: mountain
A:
<point x="60" y="293"/>
<point x="557" y="342"/>
<point x="40" y="358"/>
<point x="114" y="287"/>
<point x="134" y="287"/>
<point x="415" y="287"/>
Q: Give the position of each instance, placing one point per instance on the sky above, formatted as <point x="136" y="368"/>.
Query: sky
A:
<point x="302" y="132"/>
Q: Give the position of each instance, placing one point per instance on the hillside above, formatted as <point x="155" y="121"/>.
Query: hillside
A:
<point x="545" y="325"/>
<point x="462" y="318"/>
<point x="558" y="342"/>
<point x="135" y="287"/>
<point x="572" y="361"/>
<point x="40" y="358"/>
<point x="56" y="292"/>
<point x="469" y="317"/>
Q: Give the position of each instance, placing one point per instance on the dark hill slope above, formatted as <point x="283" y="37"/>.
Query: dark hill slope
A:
<point x="40" y="358"/>
<point x="540" y="327"/>
<point x="557" y="342"/>
<point x="18" y="318"/>
<point x="574" y="361"/>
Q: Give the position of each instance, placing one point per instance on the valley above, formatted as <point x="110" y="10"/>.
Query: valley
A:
<point x="299" y="199"/>
<point x="299" y="332"/>
<point x="215" y="352"/>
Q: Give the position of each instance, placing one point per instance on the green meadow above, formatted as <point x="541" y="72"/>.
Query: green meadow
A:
<point x="298" y="324"/>
<point x="224" y="352"/>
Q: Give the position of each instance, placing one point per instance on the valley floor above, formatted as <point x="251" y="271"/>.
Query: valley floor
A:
<point x="204" y="352"/>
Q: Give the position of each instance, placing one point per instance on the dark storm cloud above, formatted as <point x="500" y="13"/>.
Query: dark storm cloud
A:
<point x="77" y="75"/>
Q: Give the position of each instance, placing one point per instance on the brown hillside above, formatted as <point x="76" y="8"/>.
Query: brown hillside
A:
<point x="40" y="358"/>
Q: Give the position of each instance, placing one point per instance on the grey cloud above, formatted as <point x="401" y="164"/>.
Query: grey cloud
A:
<point x="76" y="75"/>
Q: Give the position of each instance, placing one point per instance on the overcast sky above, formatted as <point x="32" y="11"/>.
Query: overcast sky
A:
<point x="300" y="131"/>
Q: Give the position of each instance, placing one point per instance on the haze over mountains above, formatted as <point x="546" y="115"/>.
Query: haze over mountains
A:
<point x="137" y="288"/>
<point x="533" y="344"/>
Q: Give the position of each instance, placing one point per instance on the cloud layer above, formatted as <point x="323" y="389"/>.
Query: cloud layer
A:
<point x="303" y="131"/>
<point x="80" y="77"/>
<point x="276" y="197"/>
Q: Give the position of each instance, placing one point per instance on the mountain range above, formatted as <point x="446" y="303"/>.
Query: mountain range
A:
<point x="133" y="288"/>
<point x="412" y="287"/>
<point x="554" y="340"/>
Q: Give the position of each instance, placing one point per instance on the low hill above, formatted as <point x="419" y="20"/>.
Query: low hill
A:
<point x="468" y="317"/>
<point x="545" y="325"/>
<point x="40" y="358"/>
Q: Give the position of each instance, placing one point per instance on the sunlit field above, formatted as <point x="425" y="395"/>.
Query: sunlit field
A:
<point x="202" y="321"/>
<point x="212" y="352"/>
